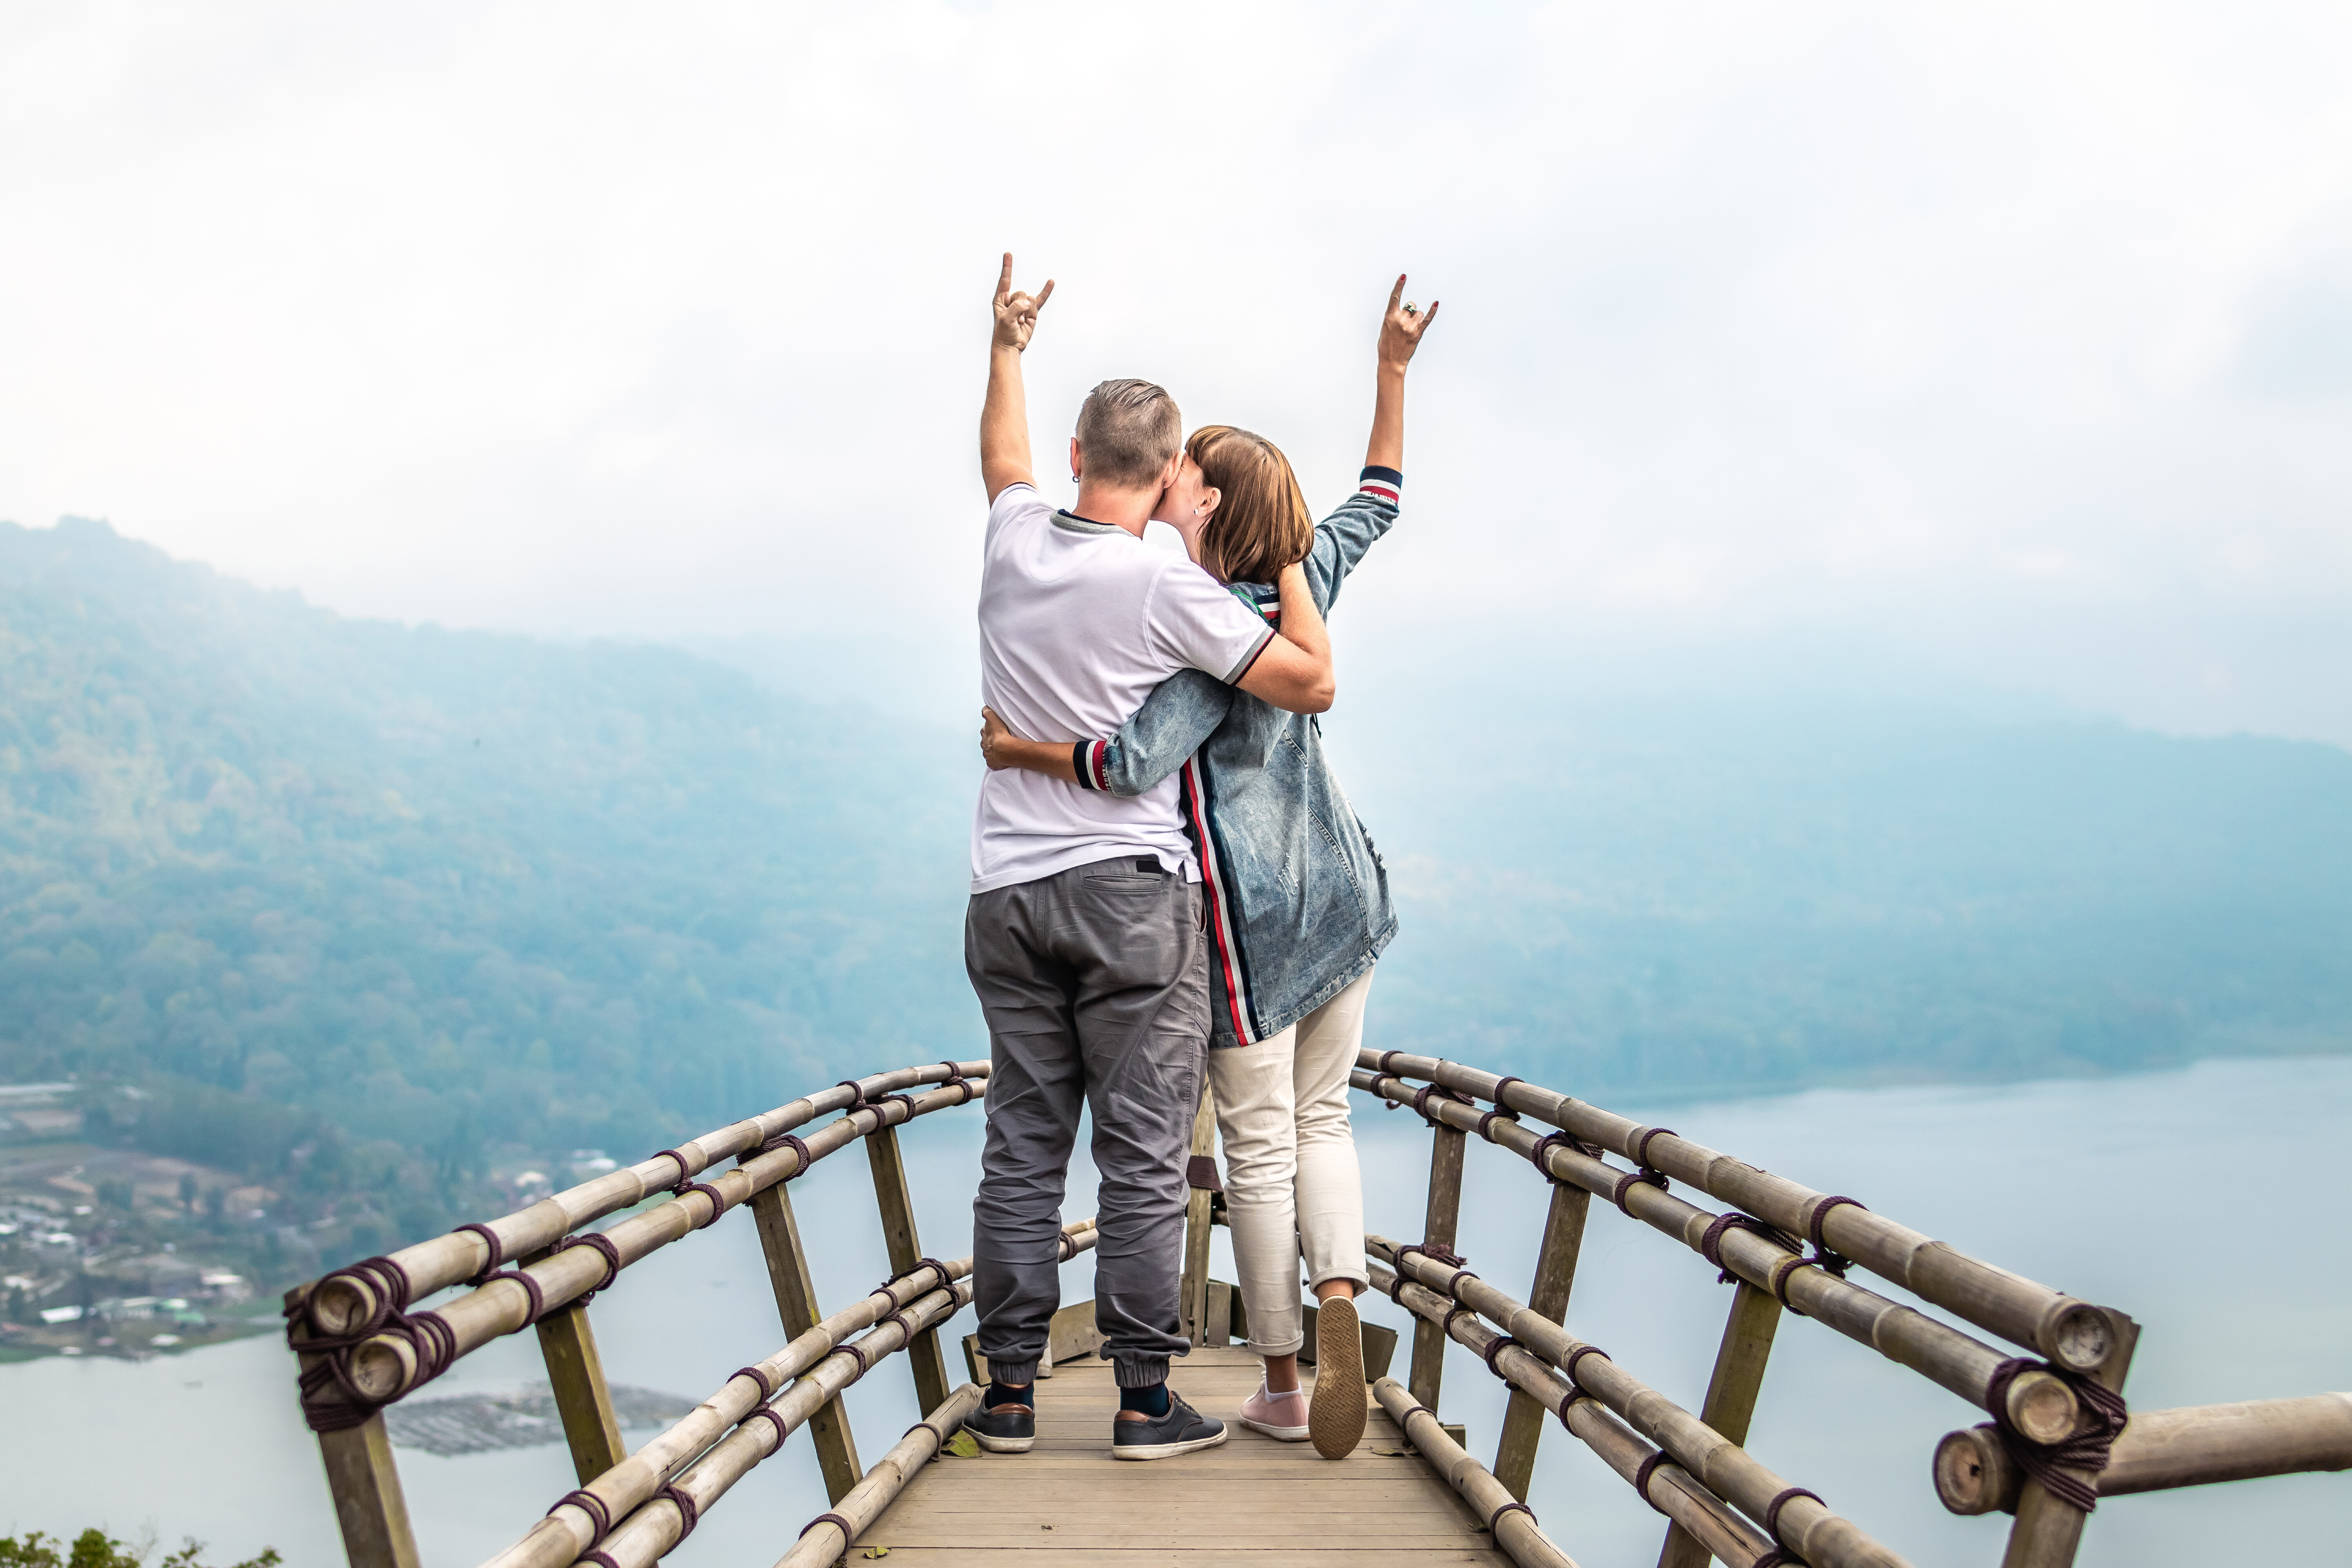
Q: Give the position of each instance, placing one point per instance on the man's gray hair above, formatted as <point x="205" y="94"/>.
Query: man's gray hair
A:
<point x="1128" y="429"/>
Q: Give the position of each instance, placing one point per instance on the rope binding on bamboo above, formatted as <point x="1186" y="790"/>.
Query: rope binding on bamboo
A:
<point x="1836" y="1263"/>
<point x="1645" y="1177"/>
<point x="788" y="1140"/>
<point x="2051" y="1463"/>
<point x="686" y="1510"/>
<point x="1500" y="1343"/>
<point x="489" y="1239"/>
<point x="600" y="1243"/>
<point x="600" y="1517"/>
<point x="775" y="1421"/>
<point x="1711" y="1245"/>
<point x="1641" y="1477"/>
<point x="1422" y="1096"/>
<point x="1564" y="1140"/>
<point x="847" y="1534"/>
<point x="1502" y="1508"/>
<point x="1781" y="1499"/>
<point x="759" y="1375"/>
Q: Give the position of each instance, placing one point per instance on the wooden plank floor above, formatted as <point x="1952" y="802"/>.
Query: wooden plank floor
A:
<point x="1277" y="1505"/>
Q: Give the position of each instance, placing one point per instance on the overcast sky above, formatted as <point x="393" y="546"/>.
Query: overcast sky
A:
<point x="2010" y="341"/>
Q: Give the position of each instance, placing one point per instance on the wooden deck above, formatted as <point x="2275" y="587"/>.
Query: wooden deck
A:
<point x="1276" y="1504"/>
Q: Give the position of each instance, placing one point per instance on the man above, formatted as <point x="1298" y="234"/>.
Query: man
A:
<point x="1083" y="937"/>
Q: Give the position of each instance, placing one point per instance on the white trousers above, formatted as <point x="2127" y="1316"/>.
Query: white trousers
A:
<point x="1291" y="1179"/>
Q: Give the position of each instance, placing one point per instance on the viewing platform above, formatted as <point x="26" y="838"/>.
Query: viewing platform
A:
<point x="2044" y="1371"/>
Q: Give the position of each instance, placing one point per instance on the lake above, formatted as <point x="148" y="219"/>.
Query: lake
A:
<point x="2196" y="1200"/>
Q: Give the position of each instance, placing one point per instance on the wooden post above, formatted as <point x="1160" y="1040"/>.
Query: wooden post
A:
<point x="1437" y="1229"/>
<point x="1194" y="1301"/>
<point x="2048" y="1532"/>
<point x="779" y="1238"/>
<point x="576" y="1372"/>
<point x="1523" y="1421"/>
<point x="892" y="1197"/>
<point x="365" y="1482"/>
<point x="1730" y="1395"/>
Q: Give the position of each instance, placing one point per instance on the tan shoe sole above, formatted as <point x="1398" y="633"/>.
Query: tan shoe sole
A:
<point x="1335" y="1413"/>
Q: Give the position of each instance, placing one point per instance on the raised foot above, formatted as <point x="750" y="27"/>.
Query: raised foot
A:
<point x="1336" y="1415"/>
<point x="1278" y="1416"/>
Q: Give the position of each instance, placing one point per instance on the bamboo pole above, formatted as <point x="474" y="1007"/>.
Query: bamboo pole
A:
<point x="825" y="1538"/>
<point x="570" y="1527"/>
<point x="2041" y="1406"/>
<point x="1193" y="1301"/>
<point x="1731" y="1391"/>
<point x="1806" y="1526"/>
<point x="1664" y="1485"/>
<point x="2200" y="1444"/>
<point x="895" y="1203"/>
<point x="1507" y="1518"/>
<point x="386" y="1366"/>
<point x="1523" y="1420"/>
<point x="2069" y="1331"/>
<point x="2048" y="1528"/>
<point x="349" y="1301"/>
<point x="575" y="1371"/>
<point x="658" y="1524"/>
<point x="1440" y="1223"/>
<point x="797" y="1310"/>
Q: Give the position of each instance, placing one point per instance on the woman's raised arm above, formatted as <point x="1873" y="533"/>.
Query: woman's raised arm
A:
<point x="1401" y="332"/>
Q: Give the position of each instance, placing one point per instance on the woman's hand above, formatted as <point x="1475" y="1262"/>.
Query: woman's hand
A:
<point x="1401" y="328"/>
<point x="993" y="734"/>
<point x="1001" y="749"/>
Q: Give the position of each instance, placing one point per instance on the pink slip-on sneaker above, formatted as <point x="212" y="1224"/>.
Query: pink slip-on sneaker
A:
<point x="1280" y="1415"/>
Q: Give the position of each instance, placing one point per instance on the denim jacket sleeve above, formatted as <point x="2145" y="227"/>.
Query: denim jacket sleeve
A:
<point x="1341" y="538"/>
<point x="1181" y="711"/>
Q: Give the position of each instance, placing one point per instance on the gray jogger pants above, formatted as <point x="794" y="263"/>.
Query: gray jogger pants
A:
<point x="1095" y="984"/>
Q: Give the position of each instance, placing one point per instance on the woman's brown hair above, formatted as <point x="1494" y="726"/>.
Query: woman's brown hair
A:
<point x="1261" y="524"/>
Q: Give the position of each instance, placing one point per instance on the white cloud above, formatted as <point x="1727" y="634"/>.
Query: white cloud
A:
<point x="2019" y="338"/>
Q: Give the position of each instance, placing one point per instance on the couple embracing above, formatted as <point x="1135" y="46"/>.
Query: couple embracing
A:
<point x="1168" y="881"/>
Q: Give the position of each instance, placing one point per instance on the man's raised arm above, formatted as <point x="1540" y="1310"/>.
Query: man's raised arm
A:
<point x="1004" y="417"/>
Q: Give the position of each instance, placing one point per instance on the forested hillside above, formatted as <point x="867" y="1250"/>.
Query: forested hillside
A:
<point x="352" y="902"/>
<point x="440" y="889"/>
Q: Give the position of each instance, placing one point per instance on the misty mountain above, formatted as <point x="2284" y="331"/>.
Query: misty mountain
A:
<point x="294" y="876"/>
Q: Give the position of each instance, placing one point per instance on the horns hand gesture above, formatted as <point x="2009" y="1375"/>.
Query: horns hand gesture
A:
<point x="1401" y="329"/>
<point x="1016" y="314"/>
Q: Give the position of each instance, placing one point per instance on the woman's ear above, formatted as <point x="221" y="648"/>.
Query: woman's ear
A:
<point x="1207" y="508"/>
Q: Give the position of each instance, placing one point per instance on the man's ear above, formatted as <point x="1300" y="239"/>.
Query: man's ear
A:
<point x="1078" y="468"/>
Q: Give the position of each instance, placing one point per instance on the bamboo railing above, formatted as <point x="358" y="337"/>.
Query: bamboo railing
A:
<point x="2060" y="1438"/>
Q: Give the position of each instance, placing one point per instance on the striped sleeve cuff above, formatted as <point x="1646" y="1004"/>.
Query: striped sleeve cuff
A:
<point x="1233" y="676"/>
<point x="1091" y="760"/>
<point x="1381" y="485"/>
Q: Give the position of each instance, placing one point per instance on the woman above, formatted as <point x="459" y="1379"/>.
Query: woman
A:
<point x="1298" y="902"/>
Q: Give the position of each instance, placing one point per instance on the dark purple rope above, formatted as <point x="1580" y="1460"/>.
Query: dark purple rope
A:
<point x="1454" y="1286"/>
<point x="1641" y="1477"/>
<point x="1420" y="1100"/>
<point x="1642" y="1144"/>
<point x="857" y="1090"/>
<point x="856" y="1352"/>
<point x="718" y="1201"/>
<point x="685" y="1510"/>
<point x="1509" y="1508"/>
<point x="1645" y="1177"/>
<point x="593" y="1507"/>
<point x="2051" y="1463"/>
<point x="1780" y="1272"/>
<point x="1565" y="1141"/>
<point x="1500" y="1085"/>
<point x="1387" y="1068"/>
<point x="1568" y="1399"/>
<point x="1781" y="1499"/>
<point x="603" y="1245"/>
<point x="1711" y="1245"/>
<point x="1836" y="1263"/>
<point x="789" y="1141"/>
<point x="529" y="1288"/>
<point x="760" y="1376"/>
<point x="768" y="1413"/>
<point x="1578" y="1354"/>
<point x="846" y="1532"/>
<point x="1432" y="1251"/>
<point x="490" y="1240"/>
<point x="685" y="1174"/>
<point x="1497" y="1348"/>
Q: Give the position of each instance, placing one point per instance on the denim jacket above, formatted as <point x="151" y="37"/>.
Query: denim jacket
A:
<point x="1297" y="897"/>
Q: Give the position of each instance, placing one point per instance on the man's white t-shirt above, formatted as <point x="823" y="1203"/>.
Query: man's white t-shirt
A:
<point x="1078" y="621"/>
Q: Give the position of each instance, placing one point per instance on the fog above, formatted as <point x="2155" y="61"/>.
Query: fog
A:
<point x="1997" y="347"/>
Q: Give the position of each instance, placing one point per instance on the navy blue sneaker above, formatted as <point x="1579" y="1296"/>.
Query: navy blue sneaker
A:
<point x="1181" y="1431"/>
<point x="1007" y="1430"/>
